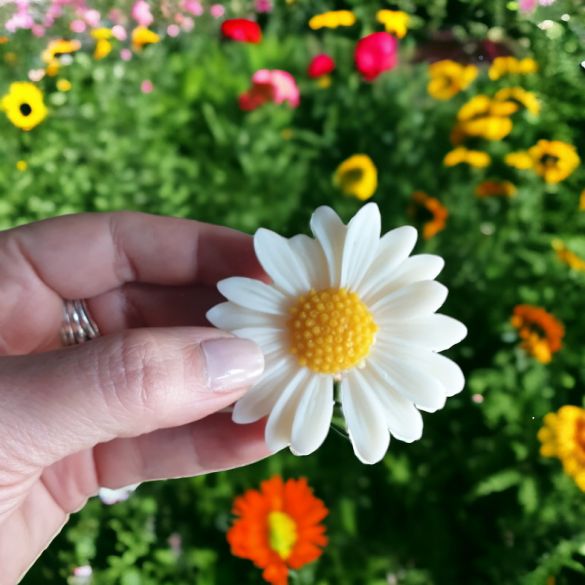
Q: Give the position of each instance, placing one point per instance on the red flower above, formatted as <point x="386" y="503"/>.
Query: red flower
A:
<point x="375" y="54"/>
<point x="320" y="65"/>
<point x="241" y="30"/>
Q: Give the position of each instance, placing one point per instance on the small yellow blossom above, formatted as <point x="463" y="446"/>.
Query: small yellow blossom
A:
<point x="24" y="105"/>
<point x="58" y="48"/>
<point x="332" y="19"/>
<point x="563" y="436"/>
<point x="64" y="85"/>
<point x="395" y="22"/>
<point x="511" y="66"/>
<point x="448" y="78"/>
<point x="520" y="96"/>
<point x="567" y="256"/>
<point x="357" y="176"/>
<point x="22" y="165"/>
<point x="483" y="117"/>
<point x="519" y="160"/>
<point x="582" y="201"/>
<point x="142" y="36"/>
<point x="462" y="155"/>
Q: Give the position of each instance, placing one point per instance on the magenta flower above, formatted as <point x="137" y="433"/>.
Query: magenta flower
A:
<point x="141" y="13"/>
<point x="375" y="54"/>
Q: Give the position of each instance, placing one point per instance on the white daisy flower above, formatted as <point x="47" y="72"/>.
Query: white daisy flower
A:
<point x="351" y="307"/>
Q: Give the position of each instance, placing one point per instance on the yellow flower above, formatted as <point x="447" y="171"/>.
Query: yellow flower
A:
<point x="519" y="95"/>
<point x="563" y="436"/>
<point x="462" y="155"/>
<point x="567" y="256"/>
<point x="142" y="36"/>
<point x="485" y="118"/>
<point x="448" y="78"/>
<point x="24" y="105"/>
<point x="582" y="201"/>
<point x="395" y="22"/>
<point x="495" y="189"/>
<point x="102" y="49"/>
<point x="357" y="176"/>
<point x="553" y="160"/>
<point x="64" y="85"/>
<point x="519" y="160"/>
<point x="102" y="34"/>
<point x="511" y="66"/>
<point x="430" y="212"/>
<point x="332" y="19"/>
<point x="22" y="165"/>
<point x="58" y="48"/>
<point x="541" y="332"/>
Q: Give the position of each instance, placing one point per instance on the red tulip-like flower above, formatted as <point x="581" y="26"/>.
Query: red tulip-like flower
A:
<point x="375" y="54"/>
<point x="320" y="65"/>
<point x="241" y="30"/>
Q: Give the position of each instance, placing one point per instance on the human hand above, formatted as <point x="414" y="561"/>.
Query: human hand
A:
<point x="139" y="403"/>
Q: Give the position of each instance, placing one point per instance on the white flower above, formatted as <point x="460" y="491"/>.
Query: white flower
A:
<point x="347" y="306"/>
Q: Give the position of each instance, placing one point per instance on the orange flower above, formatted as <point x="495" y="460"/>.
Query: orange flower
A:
<point x="541" y="332"/>
<point x="430" y="212"/>
<point x="495" y="189"/>
<point x="278" y="527"/>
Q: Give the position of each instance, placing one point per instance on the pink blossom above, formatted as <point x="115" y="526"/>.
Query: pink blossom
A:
<point x="21" y="19"/>
<point x="77" y="26"/>
<point x="141" y="13"/>
<point x="271" y="85"/>
<point x="147" y="86"/>
<point x="187" y="23"/>
<point x="376" y="53"/>
<point x="92" y="17"/>
<point x="173" y="30"/>
<point x="263" y="6"/>
<point x="38" y="30"/>
<point x="217" y="10"/>
<point x="528" y="5"/>
<point x="35" y="75"/>
<point x="194" y="7"/>
<point x="125" y="54"/>
<point x="119" y="32"/>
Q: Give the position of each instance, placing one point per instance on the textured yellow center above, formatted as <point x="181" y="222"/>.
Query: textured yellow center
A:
<point x="331" y="330"/>
<point x="282" y="533"/>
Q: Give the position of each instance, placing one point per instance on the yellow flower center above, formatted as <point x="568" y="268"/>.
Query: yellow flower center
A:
<point x="331" y="330"/>
<point x="282" y="533"/>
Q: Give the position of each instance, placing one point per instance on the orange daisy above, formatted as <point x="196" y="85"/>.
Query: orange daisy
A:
<point x="430" y="212"/>
<point x="278" y="527"/>
<point x="541" y="332"/>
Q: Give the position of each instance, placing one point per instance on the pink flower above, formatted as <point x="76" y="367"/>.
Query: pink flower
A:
<point x="125" y="54"/>
<point x="194" y="7"/>
<point x="271" y="85"/>
<point x="38" y="30"/>
<point x="147" y="86"/>
<point x="173" y="30"/>
<point x="527" y="5"/>
<point x="217" y="10"/>
<point x="77" y="26"/>
<point x="263" y="6"/>
<point x="119" y="32"/>
<point x="375" y="54"/>
<point x="92" y="17"/>
<point x="141" y="13"/>
<point x="320" y="65"/>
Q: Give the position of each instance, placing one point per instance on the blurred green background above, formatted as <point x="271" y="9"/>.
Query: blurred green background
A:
<point x="472" y="501"/>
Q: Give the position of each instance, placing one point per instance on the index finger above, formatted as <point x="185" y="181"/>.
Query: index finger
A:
<point x="81" y="256"/>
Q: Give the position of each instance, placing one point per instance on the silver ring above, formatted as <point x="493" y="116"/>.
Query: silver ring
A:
<point x="78" y="326"/>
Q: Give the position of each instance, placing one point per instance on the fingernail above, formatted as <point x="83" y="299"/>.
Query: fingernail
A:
<point x="231" y="363"/>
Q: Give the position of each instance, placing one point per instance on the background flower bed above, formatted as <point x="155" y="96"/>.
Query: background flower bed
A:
<point x="472" y="501"/>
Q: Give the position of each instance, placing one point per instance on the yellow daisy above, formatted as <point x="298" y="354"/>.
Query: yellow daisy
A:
<point x="332" y="19"/>
<point x="519" y="95"/>
<point x="142" y="36"/>
<point x="357" y="176"/>
<point x="563" y="436"/>
<point x="462" y="155"/>
<point x="567" y="256"/>
<point x="502" y="66"/>
<point x="24" y="105"/>
<point x="395" y="22"/>
<point x="448" y="78"/>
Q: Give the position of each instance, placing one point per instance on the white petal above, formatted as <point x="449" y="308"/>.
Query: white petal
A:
<point x="436" y="332"/>
<point x="330" y="233"/>
<point x="262" y="397"/>
<point x="413" y="383"/>
<point x="313" y="417"/>
<point x="446" y="371"/>
<point x="361" y="245"/>
<point x="413" y="269"/>
<point x="393" y="249"/>
<point x="229" y="317"/>
<point x="310" y="253"/>
<point x="414" y="300"/>
<point x="402" y="418"/>
<point x="253" y="294"/>
<point x="268" y="338"/>
<point x="280" y="420"/>
<point x="365" y="420"/>
<point x="281" y="263"/>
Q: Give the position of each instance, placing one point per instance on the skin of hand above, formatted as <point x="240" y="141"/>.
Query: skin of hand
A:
<point x="139" y="403"/>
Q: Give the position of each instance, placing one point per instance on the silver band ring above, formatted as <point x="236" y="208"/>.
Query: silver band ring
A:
<point x="78" y="326"/>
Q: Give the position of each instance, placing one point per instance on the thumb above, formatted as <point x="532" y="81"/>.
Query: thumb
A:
<point x="58" y="403"/>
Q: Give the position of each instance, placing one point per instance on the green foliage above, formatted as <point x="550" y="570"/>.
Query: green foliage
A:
<point x="472" y="501"/>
